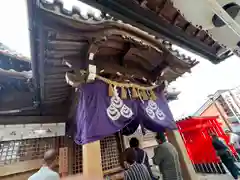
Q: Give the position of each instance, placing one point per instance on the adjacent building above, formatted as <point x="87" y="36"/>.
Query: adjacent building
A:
<point x="226" y="105"/>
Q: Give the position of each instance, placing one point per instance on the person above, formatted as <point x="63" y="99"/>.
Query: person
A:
<point x="166" y="157"/>
<point x="141" y="155"/>
<point x="46" y="172"/>
<point x="234" y="140"/>
<point x="135" y="171"/>
<point x="225" y="155"/>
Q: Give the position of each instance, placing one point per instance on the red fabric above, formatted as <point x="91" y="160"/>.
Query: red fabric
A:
<point x="195" y="134"/>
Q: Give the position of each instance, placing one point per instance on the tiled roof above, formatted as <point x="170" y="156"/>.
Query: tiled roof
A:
<point x="13" y="64"/>
<point x="161" y="18"/>
<point x="5" y="50"/>
<point x="181" y="56"/>
<point x="96" y="17"/>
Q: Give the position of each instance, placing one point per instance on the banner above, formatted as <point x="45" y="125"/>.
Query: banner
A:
<point x="100" y="115"/>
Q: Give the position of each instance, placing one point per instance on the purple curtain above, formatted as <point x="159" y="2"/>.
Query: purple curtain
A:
<point x="99" y="115"/>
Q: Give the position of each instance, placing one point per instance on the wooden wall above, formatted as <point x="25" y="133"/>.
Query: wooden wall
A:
<point x="21" y="162"/>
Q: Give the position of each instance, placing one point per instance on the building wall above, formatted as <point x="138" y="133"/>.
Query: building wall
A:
<point x="213" y="111"/>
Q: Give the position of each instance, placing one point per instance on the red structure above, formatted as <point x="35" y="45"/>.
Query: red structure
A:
<point x="195" y="134"/>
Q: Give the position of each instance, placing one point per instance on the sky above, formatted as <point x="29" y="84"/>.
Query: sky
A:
<point x="205" y="79"/>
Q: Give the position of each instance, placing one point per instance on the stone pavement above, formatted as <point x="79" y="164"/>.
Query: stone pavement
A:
<point x="215" y="177"/>
<point x="201" y="176"/>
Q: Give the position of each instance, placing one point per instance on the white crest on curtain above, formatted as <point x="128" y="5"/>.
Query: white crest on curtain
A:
<point x="117" y="108"/>
<point x="153" y="111"/>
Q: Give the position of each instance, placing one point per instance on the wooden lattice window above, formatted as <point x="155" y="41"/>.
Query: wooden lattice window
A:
<point x="28" y="149"/>
<point x="77" y="159"/>
<point x="110" y="153"/>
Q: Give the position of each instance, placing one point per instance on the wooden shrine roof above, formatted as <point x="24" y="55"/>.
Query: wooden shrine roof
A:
<point x="60" y="37"/>
<point x="16" y="88"/>
<point x="13" y="64"/>
<point x="160" y="18"/>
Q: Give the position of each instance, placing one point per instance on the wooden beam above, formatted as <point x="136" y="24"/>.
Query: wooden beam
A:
<point x="14" y="99"/>
<point x="20" y="167"/>
<point x="92" y="163"/>
<point x="188" y="171"/>
<point x="63" y="161"/>
<point x="113" y="171"/>
<point x="31" y="119"/>
<point x="102" y="62"/>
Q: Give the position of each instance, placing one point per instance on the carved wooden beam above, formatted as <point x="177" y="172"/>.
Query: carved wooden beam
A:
<point x="102" y="63"/>
<point x="14" y="99"/>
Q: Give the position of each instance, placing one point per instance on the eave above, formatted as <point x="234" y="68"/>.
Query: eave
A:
<point x="58" y="35"/>
<point x="16" y="90"/>
<point x="14" y="67"/>
<point x="162" y="20"/>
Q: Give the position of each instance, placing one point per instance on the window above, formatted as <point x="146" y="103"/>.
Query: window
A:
<point x="224" y="105"/>
<point x="28" y="149"/>
<point x="77" y="159"/>
<point x="230" y="103"/>
<point x="110" y="153"/>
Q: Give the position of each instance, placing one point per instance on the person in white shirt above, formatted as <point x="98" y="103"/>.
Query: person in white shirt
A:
<point x="46" y="172"/>
<point x="234" y="140"/>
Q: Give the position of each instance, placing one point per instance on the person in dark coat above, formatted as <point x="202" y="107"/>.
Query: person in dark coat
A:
<point x="225" y="155"/>
<point x="141" y="155"/>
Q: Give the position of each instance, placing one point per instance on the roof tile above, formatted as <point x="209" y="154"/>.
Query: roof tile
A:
<point x="94" y="16"/>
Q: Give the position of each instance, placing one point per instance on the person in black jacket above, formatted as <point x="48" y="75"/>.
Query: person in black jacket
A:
<point x="225" y="155"/>
<point x="141" y="155"/>
<point x="134" y="170"/>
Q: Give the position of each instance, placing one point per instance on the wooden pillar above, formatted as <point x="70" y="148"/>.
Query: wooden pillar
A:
<point x="92" y="163"/>
<point x="188" y="171"/>
<point x="63" y="161"/>
<point x="71" y="155"/>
